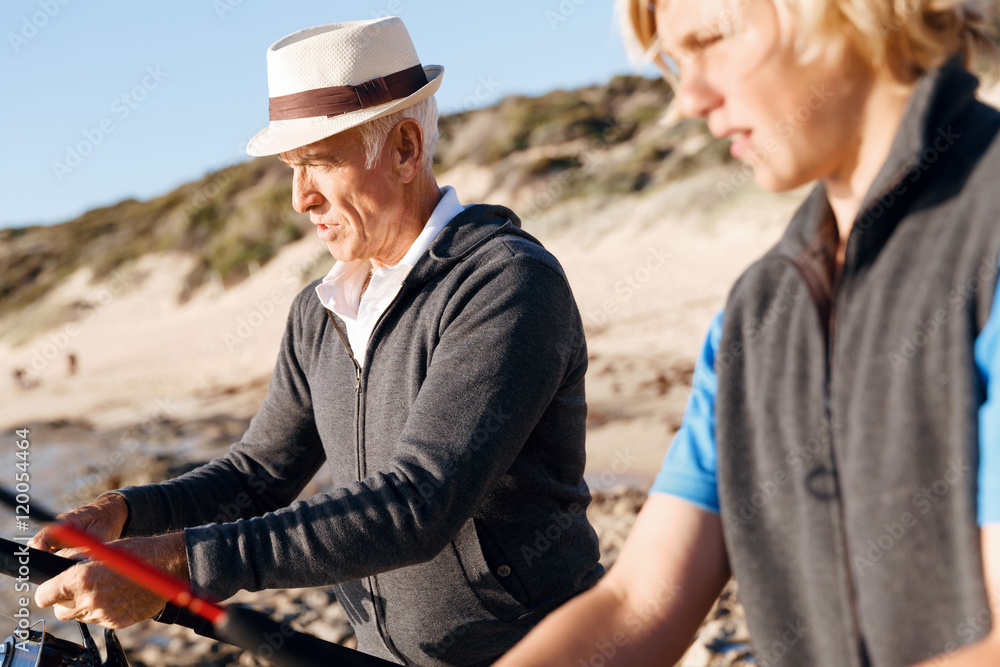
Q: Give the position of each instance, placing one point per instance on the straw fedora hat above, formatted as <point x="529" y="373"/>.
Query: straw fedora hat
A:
<point x="330" y="78"/>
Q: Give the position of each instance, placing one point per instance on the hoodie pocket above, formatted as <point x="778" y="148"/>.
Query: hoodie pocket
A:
<point x="489" y="586"/>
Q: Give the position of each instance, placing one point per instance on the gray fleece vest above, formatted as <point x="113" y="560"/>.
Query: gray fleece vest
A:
<point x="847" y="431"/>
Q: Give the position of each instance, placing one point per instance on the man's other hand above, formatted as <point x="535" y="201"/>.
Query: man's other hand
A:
<point x="103" y="517"/>
<point x="93" y="593"/>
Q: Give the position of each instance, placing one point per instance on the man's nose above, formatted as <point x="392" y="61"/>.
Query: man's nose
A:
<point x="696" y="97"/>
<point x="304" y="193"/>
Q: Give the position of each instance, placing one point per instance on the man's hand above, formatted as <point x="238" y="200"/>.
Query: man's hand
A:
<point x="93" y="593"/>
<point x="104" y="518"/>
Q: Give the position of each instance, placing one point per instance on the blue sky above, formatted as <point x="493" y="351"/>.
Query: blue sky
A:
<point x="159" y="93"/>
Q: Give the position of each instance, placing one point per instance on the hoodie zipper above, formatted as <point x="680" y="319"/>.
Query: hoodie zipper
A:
<point x="350" y="353"/>
<point x="358" y="440"/>
<point x="380" y="624"/>
<point x="359" y="436"/>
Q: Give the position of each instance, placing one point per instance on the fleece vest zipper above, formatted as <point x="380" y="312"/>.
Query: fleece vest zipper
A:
<point x="825" y="288"/>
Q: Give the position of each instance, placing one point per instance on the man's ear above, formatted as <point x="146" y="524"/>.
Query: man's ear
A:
<point x="407" y="149"/>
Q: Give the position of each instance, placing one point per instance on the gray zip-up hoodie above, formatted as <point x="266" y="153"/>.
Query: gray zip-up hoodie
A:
<point x="846" y="410"/>
<point x="457" y="450"/>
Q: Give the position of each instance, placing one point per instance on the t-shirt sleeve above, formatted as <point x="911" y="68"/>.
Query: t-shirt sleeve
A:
<point x="988" y="363"/>
<point x="689" y="467"/>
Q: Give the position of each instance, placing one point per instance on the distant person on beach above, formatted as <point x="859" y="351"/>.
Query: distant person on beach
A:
<point x="438" y="368"/>
<point x="840" y="453"/>
<point x="22" y="380"/>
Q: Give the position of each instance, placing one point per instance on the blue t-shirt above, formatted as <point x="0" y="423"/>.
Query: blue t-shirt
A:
<point x="689" y="467"/>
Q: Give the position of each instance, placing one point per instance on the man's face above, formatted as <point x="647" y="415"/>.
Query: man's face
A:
<point x="793" y="122"/>
<point x="352" y="207"/>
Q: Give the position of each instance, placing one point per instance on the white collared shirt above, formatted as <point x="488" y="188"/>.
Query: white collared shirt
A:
<point x="340" y="290"/>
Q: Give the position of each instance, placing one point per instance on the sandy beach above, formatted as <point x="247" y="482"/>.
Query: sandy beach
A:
<point x="162" y="383"/>
<point x="647" y="284"/>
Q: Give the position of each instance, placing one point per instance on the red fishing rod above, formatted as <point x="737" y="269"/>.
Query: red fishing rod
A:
<point x="240" y="626"/>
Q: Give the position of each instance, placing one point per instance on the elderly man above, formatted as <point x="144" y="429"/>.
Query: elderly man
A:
<point x="438" y="368"/>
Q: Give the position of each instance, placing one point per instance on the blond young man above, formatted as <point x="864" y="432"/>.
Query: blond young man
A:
<point x="839" y="451"/>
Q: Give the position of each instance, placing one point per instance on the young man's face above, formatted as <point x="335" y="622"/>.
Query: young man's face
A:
<point x="793" y="122"/>
<point x="352" y="207"/>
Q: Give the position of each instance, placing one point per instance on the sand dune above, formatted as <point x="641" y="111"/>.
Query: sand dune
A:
<point x="648" y="271"/>
<point x="647" y="282"/>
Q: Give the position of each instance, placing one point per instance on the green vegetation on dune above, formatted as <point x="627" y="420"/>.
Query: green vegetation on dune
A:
<point x="603" y="140"/>
<point x="226" y="220"/>
<point x="594" y="141"/>
<point x="610" y="114"/>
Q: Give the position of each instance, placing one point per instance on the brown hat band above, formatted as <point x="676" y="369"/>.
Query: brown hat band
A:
<point x="337" y="100"/>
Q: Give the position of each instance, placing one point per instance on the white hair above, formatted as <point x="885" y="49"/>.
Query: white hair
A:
<point x="375" y="132"/>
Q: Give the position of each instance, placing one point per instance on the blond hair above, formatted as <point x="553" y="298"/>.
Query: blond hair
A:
<point x="902" y="39"/>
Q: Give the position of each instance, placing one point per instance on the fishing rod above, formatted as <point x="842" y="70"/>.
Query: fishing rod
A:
<point x="25" y="563"/>
<point x="237" y="625"/>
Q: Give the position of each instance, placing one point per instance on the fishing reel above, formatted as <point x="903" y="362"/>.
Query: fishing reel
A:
<point x="42" y="649"/>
